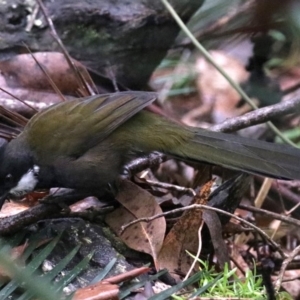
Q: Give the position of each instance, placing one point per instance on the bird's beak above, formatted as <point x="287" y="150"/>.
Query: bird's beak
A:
<point x="2" y="199"/>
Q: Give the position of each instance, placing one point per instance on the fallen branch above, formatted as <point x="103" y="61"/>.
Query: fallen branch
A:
<point x="259" y="116"/>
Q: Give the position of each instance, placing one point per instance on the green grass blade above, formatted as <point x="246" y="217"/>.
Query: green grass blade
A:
<point x="30" y="268"/>
<point x="105" y="271"/>
<point x="169" y="292"/>
<point x="54" y="272"/>
<point x="38" y="287"/>
<point x="74" y="272"/>
<point x="124" y="292"/>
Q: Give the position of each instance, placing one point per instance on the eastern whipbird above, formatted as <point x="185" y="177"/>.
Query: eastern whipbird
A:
<point x="84" y="144"/>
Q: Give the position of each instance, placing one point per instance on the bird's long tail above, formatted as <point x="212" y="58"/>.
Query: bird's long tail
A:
<point x="228" y="150"/>
<point x="249" y="155"/>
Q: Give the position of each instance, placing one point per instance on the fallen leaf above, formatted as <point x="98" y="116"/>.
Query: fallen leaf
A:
<point x="10" y="208"/>
<point x="23" y="71"/>
<point x="217" y="94"/>
<point x="183" y="237"/>
<point x="14" y="207"/>
<point x="214" y="225"/>
<point x="15" y="254"/>
<point x="137" y="203"/>
<point x="98" y="291"/>
<point x="129" y="275"/>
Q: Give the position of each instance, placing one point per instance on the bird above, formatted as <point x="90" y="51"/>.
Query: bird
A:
<point x="84" y="144"/>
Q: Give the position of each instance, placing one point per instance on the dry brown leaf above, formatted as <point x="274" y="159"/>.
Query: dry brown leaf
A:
<point x="138" y="203"/>
<point x="21" y="71"/>
<point x="14" y="207"/>
<point x="183" y="237"/>
<point x="214" y="225"/>
<point x="108" y="288"/>
<point x="15" y="253"/>
<point x="129" y="275"/>
<point x="239" y="260"/>
<point x="22" y="77"/>
<point x="98" y="291"/>
<point x="217" y="92"/>
<point x="85" y="204"/>
<point x="292" y="286"/>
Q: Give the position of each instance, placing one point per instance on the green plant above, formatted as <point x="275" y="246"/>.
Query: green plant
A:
<point x="29" y="278"/>
<point x="228" y="284"/>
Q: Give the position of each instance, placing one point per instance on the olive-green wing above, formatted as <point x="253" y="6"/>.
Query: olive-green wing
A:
<point x="71" y="128"/>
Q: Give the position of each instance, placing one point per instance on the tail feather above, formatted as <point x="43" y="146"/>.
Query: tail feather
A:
<point x="253" y="156"/>
<point x="228" y="150"/>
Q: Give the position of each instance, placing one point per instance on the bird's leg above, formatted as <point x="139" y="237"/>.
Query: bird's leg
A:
<point x="171" y="187"/>
<point x="135" y="166"/>
<point x="153" y="160"/>
<point x="64" y="196"/>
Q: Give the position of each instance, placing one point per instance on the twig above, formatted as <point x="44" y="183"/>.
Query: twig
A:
<point x="291" y="279"/>
<point x="210" y="59"/>
<point x="197" y="206"/>
<point x="259" y="116"/>
<point x="237" y="265"/>
<point x="163" y="94"/>
<point x="284" y="265"/>
<point x="14" y="223"/>
<point x="263" y="192"/>
<point x="293" y="209"/>
<point x="22" y="101"/>
<point x="196" y="258"/>
<point x="221" y="23"/>
<point x="13" y="116"/>
<point x="70" y="61"/>
<point x="32" y="18"/>
<point x="173" y="187"/>
<point x="284" y="191"/>
<point x="44" y="71"/>
<point x="286" y="219"/>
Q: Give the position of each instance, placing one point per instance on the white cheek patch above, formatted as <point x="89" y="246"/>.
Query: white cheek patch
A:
<point x="27" y="182"/>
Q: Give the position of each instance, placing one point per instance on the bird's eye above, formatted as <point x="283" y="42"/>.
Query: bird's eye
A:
<point x="8" y="178"/>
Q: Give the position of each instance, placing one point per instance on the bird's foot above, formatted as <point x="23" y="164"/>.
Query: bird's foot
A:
<point x="64" y="195"/>
<point x="153" y="160"/>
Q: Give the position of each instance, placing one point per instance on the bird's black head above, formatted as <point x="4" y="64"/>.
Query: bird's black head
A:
<point x="18" y="174"/>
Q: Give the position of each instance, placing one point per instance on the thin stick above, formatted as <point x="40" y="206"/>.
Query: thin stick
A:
<point x="197" y="206"/>
<point x="197" y="254"/>
<point x="283" y="218"/>
<point x="10" y="94"/>
<point x="284" y="265"/>
<point x="52" y="83"/>
<point x="210" y="59"/>
<point x="259" y="116"/>
<point x="70" y="61"/>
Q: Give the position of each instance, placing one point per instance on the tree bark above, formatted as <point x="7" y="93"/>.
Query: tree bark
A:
<point x="123" y="40"/>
